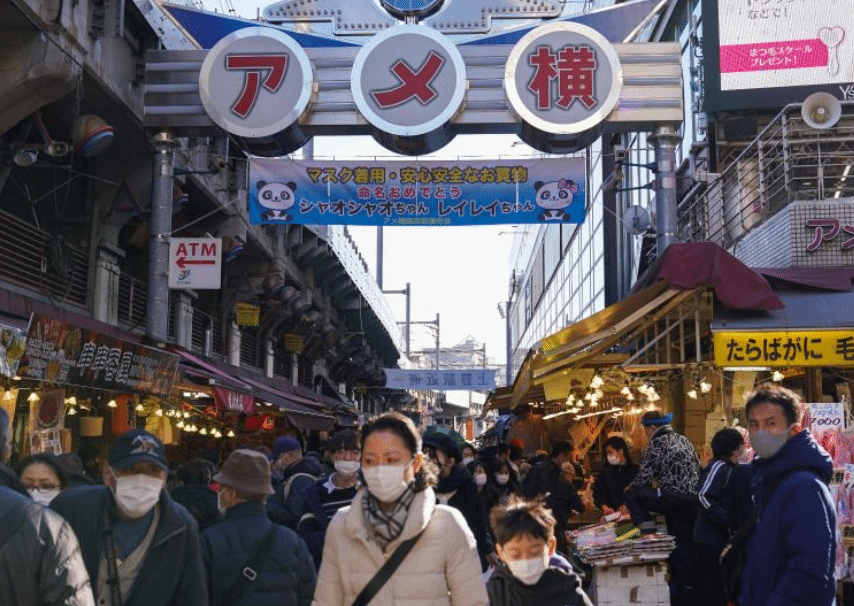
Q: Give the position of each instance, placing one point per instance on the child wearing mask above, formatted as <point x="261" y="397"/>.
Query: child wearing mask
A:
<point x="525" y="542"/>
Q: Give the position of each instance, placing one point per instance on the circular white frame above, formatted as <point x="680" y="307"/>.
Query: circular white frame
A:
<point x="424" y="128"/>
<point x="534" y="119"/>
<point x="288" y="118"/>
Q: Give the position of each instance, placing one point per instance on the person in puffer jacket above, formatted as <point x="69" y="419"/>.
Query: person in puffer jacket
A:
<point x="791" y="553"/>
<point x="285" y="575"/>
<point x="524" y="532"/>
<point x="666" y="483"/>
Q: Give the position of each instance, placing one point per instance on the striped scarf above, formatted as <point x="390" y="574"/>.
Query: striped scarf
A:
<point x="386" y="526"/>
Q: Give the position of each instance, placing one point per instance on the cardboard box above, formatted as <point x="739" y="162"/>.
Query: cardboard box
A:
<point x="641" y="584"/>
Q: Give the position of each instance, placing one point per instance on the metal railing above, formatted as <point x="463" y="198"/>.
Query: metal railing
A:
<point x="786" y="162"/>
<point x="47" y="263"/>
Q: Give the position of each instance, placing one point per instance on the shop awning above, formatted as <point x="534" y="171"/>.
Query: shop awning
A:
<point x="803" y="308"/>
<point x="193" y="365"/>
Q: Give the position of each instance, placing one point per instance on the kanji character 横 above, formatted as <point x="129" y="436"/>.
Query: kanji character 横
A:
<point x="544" y="62"/>
<point x="576" y="76"/>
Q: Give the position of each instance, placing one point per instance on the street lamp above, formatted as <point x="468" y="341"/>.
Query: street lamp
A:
<point x="406" y="291"/>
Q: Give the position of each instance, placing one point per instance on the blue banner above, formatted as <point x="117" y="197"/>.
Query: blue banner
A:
<point x="410" y="192"/>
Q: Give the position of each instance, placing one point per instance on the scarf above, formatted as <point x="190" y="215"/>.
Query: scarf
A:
<point x="386" y="526"/>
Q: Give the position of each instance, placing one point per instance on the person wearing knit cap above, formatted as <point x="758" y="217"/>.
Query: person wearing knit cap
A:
<point x="297" y="474"/>
<point x="246" y="544"/>
<point x="666" y="483"/>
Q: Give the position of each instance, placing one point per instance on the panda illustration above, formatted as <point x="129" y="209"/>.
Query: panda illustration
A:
<point x="276" y="198"/>
<point x="554" y="197"/>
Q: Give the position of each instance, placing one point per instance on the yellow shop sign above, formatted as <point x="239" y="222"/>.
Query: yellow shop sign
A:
<point x="785" y="348"/>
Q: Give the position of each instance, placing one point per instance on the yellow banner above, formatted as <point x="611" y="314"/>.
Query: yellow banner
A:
<point x="785" y="348"/>
<point x="248" y="314"/>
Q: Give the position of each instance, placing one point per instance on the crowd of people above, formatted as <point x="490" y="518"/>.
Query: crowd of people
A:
<point x="387" y="516"/>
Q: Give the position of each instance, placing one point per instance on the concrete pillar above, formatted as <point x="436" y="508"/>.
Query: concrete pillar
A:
<point x="157" y="303"/>
<point x="184" y="319"/>
<point x="233" y="344"/>
<point x="294" y="368"/>
<point x="105" y="304"/>
<point x="269" y="358"/>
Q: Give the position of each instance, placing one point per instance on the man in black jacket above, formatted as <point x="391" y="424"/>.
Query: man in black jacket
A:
<point x="552" y="479"/>
<point x="298" y="473"/>
<point x="154" y="541"/>
<point x="195" y="494"/>
<point x="457" y="489"/>
<point x="282" y="569"/>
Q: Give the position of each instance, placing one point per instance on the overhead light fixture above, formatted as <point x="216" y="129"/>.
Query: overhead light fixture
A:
<point x="186" y="415"/>
<point x="33" y="397"/>
<point x="72" y="411"/>
<point x="203" y="431"/>
<point x="159" y="412"/>
<point x="180" y="424"/>
<point x="140" y="407"/>
<point x="112" y="404"/>
<point x="705" y="386"/>
<point x="72" y="401"/>
<point x="8" y="396"/>
<point x="230" y="433"/>
<point x="777" y="376"/>
<point x="692" y="393"/>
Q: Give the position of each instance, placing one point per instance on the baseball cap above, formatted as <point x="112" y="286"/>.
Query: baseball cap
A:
<point x="247" y="471"/>
<point x="137" y="446"/>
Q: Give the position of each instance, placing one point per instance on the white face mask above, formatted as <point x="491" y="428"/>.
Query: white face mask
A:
<point x="502" y="478"/>
<point x="480" y="479"/>
<point x="347" y="468"/>
<point x="136" y="495"/>
<point x="219" y="504"/>
<point x="614" y="459"/>
<point x="467" y="460"/>
<point x="766" y="444"/>
<point x="386" y="482"/>
<point x="43" y="496"/>
<point x="529" y="571"/>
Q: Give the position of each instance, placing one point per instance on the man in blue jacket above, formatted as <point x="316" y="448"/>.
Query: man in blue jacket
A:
<point x="248" y="558"/>
<point x="791" y="554"/>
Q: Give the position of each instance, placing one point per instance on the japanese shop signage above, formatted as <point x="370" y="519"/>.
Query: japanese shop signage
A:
<point x="417" y="192"/>
<point x="195" y="263"/>
<point x="256" y="82"/>
<point x="785" y="348"/>
<point x="824" y="416"/>
<point x="440" y="380"/>
<point x="409" y="80"/>
<point x="233" y="401"/>
<point x="61" y="353"/>
<point x="563" y="78"/>
<point x="784" y="45"/>
<point x="827" y="230"/>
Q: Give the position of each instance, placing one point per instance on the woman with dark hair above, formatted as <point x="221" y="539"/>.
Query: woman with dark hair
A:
<point x="43" y="477"/>
<point x="616" y="474"/>
<point x="505" y="480"/>
<point x="397" y="510"/>
<point x="486" y="488"/>
<point x="193" y="491"/>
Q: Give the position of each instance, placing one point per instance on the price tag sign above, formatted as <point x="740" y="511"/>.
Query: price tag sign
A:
<point x="827" y="416"/>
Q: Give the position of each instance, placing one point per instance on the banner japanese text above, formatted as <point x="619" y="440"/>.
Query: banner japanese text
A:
<point x="785" y="348"/>
<point x="397" y="193"/>
<point x="440" y="380"/>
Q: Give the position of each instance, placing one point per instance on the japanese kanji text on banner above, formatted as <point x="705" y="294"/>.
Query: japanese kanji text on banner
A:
<point x="440" y="380"/>
<point x="785" y="348"/>
<point x="395" y="193"/>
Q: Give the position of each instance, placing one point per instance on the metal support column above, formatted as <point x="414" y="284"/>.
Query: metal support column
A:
<point x="437" y="341"/>
<point x="380" y="256"/>
<point x="665" y="141"/>
<point x="408" y="317"/>
<point x="157" y="303"/>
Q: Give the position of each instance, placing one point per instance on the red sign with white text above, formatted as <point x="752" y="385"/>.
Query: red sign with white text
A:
<point x="232" y="401"/>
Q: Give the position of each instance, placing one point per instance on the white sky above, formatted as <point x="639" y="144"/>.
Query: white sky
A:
<point x="461" y="273"/>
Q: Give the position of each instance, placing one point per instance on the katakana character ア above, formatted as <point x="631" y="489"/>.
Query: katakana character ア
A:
<point x="821" y="235"/>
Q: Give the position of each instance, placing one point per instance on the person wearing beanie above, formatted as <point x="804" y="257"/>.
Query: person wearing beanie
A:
<point x="153" y="541"/>
<point x="249" y="559"/>
<point x="666" y="483"/>
<point x="297" y="474"/>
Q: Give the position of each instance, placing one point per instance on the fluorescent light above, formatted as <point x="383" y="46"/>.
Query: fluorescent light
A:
<point x="558" y="414"/>
<point x="746" y="368"/>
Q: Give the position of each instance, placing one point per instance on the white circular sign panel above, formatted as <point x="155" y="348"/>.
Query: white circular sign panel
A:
<point x="563" y="78"/>
<point x="256" y="82"/>
<point x="409" y="80"/>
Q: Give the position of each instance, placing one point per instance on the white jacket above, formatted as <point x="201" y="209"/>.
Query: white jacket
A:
<point x="442" y="569"/>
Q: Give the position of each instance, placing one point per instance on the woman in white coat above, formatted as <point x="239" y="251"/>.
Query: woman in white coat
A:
<point x="397" y="504"/>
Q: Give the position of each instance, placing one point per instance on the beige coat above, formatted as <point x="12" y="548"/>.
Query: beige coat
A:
<point x="442" y="569"/>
